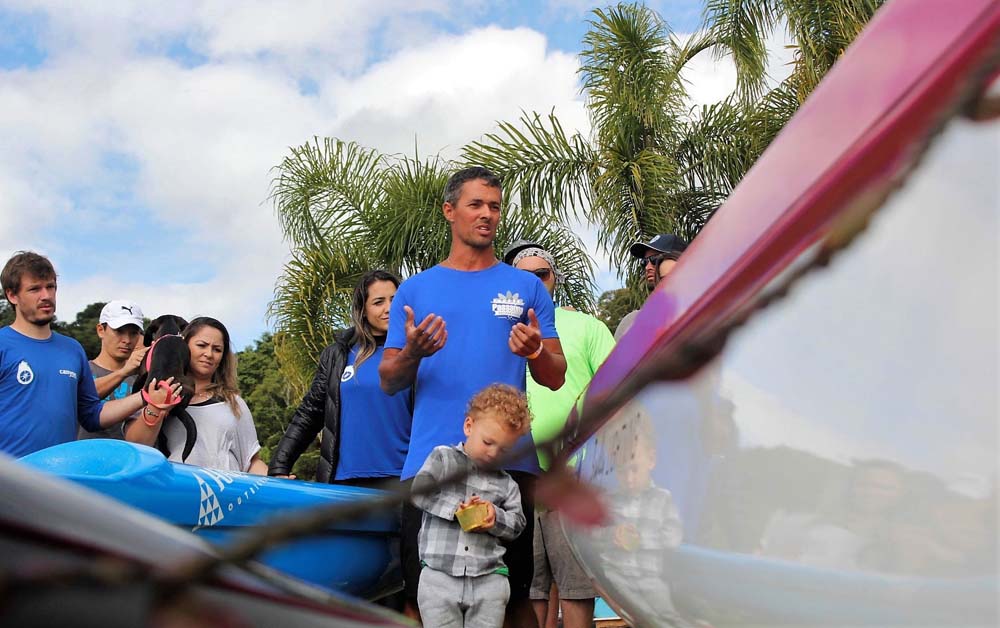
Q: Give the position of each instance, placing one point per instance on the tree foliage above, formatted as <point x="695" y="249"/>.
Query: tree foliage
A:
<point x="820" y="30"/>
<point x="613" y="305"/>
<point x="84" y="328"/>
<point x="267" y="396"/>
<point x="6" y="313"/>
<point x="651" y="163"/>
<point x="346" y="209"/>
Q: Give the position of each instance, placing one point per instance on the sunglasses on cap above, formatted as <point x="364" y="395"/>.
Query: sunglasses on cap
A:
<point x="541" y="273"/>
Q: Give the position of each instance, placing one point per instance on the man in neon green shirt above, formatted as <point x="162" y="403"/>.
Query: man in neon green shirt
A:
<point x="559" y="580"/>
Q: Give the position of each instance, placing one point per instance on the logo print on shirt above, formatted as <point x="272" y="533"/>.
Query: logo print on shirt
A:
<point x="509" y="306"/>
<point x="24" y="373"/>
<point x="348" y="373"/>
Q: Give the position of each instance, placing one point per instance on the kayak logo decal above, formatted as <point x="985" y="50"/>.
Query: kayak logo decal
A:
<point x="209" y="510"/>
<point x="211" y="485"/>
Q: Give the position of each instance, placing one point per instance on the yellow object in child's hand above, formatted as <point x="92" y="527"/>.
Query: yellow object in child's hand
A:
<point x="473" y="516"/>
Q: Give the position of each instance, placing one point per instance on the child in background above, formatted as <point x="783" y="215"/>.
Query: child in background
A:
<point x="464" y="579"/>
<point x="646" y="525"/>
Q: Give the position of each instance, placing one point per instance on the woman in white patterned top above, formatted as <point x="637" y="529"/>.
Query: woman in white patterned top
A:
<point x="227" y="437"/>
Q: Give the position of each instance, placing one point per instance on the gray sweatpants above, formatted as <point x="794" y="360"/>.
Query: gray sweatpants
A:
<point x="454" y="601"/>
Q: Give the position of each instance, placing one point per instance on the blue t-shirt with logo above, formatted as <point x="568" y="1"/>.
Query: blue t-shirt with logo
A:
<point x="374" y="426"/>
<point x="46" y="388"/>
<point x="479" y="309"/>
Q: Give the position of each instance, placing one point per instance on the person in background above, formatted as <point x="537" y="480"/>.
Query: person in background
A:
<point x="658" y="257"/>
<point x="366" y="432"/>
<point x="120" y="330"/>
<point x="559" y="581"/>
<point x="46" y="388"/>
<point x="227" y="437"/>
<point x="464" y="579"/>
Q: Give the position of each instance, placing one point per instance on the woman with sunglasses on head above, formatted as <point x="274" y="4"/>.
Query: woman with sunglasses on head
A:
<point x="227" y="437"/>
<point x="366" y="432"/>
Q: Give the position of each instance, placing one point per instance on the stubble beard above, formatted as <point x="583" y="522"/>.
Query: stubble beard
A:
<point x="479" y="245"/>
<point x="39" y="320"/>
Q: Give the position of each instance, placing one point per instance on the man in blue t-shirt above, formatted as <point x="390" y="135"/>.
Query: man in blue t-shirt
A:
<point x="480" y="323"/>
<point x="46" y="387"/>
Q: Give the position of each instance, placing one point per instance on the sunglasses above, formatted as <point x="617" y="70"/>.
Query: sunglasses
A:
<point x="541" y="273"/>
<point x="652" y="259"/>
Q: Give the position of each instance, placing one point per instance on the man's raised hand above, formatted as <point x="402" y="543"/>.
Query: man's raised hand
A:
<point x="428" y="337"/>
<point x="526" y="340"/>
<point x="134" y="360"/>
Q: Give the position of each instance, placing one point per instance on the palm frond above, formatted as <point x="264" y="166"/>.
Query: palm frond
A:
<point x="740" y="28"/>
<point x="309" y="305"/>
<point x="324" y="189"/>
<point x="539" y="163"/>
<point x="626" y="70"/>
<point x="409" y="232"/>
<point x="557" y="238"/>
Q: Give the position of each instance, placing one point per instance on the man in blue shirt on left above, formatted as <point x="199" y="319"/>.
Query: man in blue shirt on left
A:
<point x="46" y="387"/>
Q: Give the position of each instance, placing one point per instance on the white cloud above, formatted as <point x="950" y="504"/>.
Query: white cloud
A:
<point x="199" y="142"/>
<point x="453" y="90"/>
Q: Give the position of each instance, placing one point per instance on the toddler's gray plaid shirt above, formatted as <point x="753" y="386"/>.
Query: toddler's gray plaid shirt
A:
<point x="443" y="544"/>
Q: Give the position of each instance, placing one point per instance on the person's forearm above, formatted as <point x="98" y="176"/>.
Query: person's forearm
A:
<point x="141" y="432"/>
<point x="118" y="410"/>
<point x="397" y="370"/>
<point x="509" y="523"/>
<point x="106" y="384"/>
<point x="549" y="368"/>
<point x="257" y="466"/>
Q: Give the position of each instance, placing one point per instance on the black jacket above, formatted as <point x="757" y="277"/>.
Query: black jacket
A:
<point x="319" y="410"/>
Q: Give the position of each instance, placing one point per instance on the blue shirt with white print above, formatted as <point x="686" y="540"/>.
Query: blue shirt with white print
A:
<point x="46" y="388"/>
<point x="374" y="426"/>
<point x="479" y="309"/>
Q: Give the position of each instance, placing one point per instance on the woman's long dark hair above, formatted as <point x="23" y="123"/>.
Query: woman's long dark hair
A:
<point x="224" y="379"/>
<point x="363" y="335"/>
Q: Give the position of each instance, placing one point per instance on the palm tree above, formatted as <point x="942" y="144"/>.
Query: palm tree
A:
<point x="346" y="209"/>
<point x="820" y="29"/>
<point x="650" y="164"/>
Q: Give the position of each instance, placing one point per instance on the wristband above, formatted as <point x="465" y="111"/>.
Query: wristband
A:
<point x="537" y="353"/>
<point x="146" y="414"/>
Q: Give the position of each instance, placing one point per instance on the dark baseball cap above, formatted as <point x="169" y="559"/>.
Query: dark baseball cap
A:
<point x="662" y="242"/>
<point x="512" y="250"/>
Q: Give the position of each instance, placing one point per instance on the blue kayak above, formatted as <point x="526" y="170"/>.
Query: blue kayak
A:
<point x="355" y="557"/>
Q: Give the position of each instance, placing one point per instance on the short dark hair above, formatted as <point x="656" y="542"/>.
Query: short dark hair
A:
<point x="453" y="189"/>
<point x="24" y="262"/>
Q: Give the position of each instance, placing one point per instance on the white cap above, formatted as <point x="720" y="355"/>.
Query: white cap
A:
<point x="117" y="314"/>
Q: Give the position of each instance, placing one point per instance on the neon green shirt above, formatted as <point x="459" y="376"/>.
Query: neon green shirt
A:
<point x="586" y="342"/>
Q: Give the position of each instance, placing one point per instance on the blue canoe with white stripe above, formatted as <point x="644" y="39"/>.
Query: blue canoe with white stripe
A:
<point x="356" y="557"/>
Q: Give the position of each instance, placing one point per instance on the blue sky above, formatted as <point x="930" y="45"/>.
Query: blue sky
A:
<point x="136" y="139"/>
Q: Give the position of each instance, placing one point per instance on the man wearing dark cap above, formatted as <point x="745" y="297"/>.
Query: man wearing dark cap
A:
<point x="657" y="257"/>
